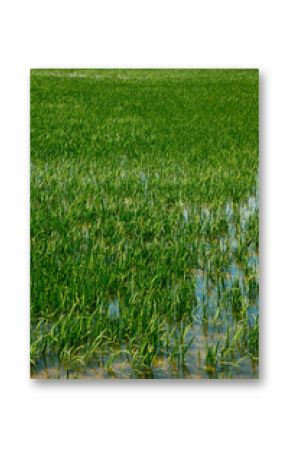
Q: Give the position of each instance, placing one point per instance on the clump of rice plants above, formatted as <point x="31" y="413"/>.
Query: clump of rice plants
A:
<point x="144" y="223"/>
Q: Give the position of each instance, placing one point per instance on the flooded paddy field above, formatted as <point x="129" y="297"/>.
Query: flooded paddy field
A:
<point x="144" y="224"/>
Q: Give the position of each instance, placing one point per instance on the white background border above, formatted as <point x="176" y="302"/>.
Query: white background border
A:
<point x="138" y="414"/>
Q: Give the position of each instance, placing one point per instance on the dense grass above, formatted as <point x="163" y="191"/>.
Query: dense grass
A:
<point x="144" y="223"/>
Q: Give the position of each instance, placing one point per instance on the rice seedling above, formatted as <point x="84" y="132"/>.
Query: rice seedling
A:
<point x="144" y="223"/>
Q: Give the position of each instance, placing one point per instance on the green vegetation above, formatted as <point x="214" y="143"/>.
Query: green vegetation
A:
<point x="144" y="223"/>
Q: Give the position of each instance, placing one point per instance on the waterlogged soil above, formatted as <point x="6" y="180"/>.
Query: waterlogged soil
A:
<point x="203" y="333"/>
<point x="194" y="368"/>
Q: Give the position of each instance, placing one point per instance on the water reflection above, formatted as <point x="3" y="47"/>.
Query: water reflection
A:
<point x="224" y="314"/>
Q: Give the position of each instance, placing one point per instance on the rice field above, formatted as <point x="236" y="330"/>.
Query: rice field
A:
<point x="144" y="223"/>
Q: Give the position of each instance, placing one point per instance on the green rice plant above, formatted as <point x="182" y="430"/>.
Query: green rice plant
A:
<point x="144" y="222"/>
